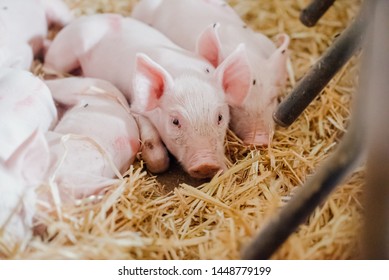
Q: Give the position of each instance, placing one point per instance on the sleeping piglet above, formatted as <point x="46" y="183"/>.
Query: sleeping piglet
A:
<point x="188" y="22"/>
<point x="185" y="98"/>
<point x="94" y="140"/>
<point x="27" y="111"/>
<point x="23" y="28"/>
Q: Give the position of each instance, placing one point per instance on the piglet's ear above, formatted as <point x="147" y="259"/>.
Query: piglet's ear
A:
<point x="151" y="82"/>
<point x="277" y="61"/>
<point x="208" y="45"/>
<point x="235" y="76"/>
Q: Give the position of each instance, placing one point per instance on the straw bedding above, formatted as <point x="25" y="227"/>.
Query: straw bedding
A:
<point x="142" y="218"/>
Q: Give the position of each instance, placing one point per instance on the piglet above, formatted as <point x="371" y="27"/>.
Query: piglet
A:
<point x="27" y="111"/>
<point x="183" y="96"/>
<point x="188" y="22"/>
<point x="23" y="28"/>
<point x="95" y="140"/>
<point x="20" y="175"/>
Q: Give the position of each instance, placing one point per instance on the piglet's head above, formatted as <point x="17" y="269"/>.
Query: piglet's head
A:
<point x="251" y="118"/>
<point x="191" y="110"/>
<point x="253" y="121"/>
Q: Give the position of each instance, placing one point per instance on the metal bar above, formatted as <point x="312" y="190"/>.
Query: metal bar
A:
<point x="311" y="195"/>
<point x="314" y="11"/>
<point x="322" y="72"/>
<point x="317" y="188"/>
<point x="376" y="229"/>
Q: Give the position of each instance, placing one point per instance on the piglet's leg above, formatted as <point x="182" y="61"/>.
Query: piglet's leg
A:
<point x="57" y="12"/>
<point x="63" y="55"/>
<point x="73" y="44"/>
<point x="153" y="150"/>
<point x="60" y="58"/>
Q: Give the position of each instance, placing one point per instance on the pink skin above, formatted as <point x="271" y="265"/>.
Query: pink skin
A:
<point x="25" y="105"/>
<point x="24" y="25"/>
<point x="154" y="152"/>
<point x="187" y="22"/>
<point x="181" y="94"/>
<point x="103" y="130"/>
<point x="20" y="175"/>
<point x="27" y="111"/>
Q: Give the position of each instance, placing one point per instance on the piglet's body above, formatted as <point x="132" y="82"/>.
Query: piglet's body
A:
<point x="23" y="28"/>
<point x="187" y="22"/>
<point x="27" y="111"/>
<point x="96" y="136"/>
<point x="20" y="175"/>
<point x="26" y="105"/>
<point x="181" y="94"/>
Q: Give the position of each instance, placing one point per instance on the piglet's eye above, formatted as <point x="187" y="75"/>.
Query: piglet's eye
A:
<point x="220" y="118"/>
<point x="176" y="122"/>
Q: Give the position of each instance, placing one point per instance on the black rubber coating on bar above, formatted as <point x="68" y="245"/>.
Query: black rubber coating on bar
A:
<point x="314" y="11"/>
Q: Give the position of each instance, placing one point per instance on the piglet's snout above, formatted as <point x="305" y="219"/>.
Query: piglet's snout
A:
<point x="204" y="170"/>
<point x="204" y="164"/>
<point x="258" y="139"/>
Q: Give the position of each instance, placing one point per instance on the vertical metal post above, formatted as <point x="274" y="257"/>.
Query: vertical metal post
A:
<point x="376" y="228"/>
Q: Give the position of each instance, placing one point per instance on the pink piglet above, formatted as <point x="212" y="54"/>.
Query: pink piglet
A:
<point x="189" y="22"/>
<point x="95" y="140"/>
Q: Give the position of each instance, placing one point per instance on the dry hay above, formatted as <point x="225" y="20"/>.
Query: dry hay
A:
<point x="138" y="219"/>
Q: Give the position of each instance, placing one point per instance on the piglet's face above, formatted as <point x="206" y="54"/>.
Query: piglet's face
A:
<point x="191" y="111"/>
<point x="194" y="121"/>
<point x="252" y="120"/>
